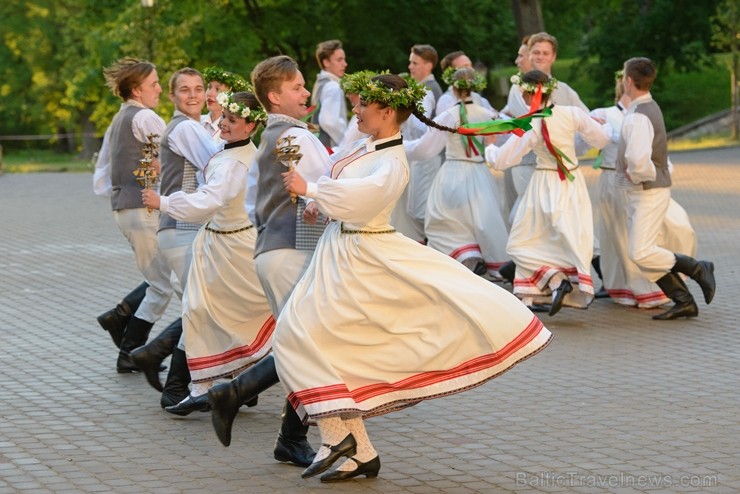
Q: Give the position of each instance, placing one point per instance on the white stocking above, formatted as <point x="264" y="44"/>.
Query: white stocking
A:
<point x="200" y="388"/>
<point x="332" y="432"/>
<point x="365" y="450"/>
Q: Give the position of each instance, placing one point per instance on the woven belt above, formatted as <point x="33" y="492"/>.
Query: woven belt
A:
<point x="228" y="232"/>
<point x="366" y="232"/>
<point x="555" y="169"/>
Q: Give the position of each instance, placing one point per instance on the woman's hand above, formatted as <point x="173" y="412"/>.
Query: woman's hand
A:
<point x="294" y="183"/>
<point x="311" y="213"/>
<point x="150" y="198"/>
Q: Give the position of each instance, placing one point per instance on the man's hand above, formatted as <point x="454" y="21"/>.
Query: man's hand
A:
<point x="150" y="198"/>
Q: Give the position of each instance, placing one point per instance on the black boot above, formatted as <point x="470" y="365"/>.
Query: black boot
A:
<point x="225" y="399"/>
<point x="292" y="445"/>
<point x="507" y="271"/>
<point x="148" y="358"/>
<point x="115" y="320"/>
<point x="700" y="271"/>
<point x="137" y="331"/>
<point x="676" y="290"/>
<point x="176" y="386"/>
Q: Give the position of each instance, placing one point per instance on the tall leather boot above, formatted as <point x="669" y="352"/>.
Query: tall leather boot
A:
<point x="137" y="331"/>
<point x="225" y="399"/>
<point x="178" y="378"/>
<point x="508" y="271"/>
<point x="148" y="358"/>
<point x="115" y="320"/>
<point x="596" y="264"/>
<point x="675" y="289"/>
<point x="700" y="271"/>
<point x="292" y="445"/>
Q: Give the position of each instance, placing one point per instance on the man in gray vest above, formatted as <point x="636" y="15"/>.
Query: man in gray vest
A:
<point x="408" y="215"/>
<point x="285" y="242"/>
<point x="186" y="146"/>
<point x="137" y="84"/>
<point x="643" y="169"/>
<point x="331" y="116"/>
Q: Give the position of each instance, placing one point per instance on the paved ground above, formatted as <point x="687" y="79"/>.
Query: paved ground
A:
<point x="617" y="403"/>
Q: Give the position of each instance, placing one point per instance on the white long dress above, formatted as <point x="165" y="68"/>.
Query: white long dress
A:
<point x="227" y="321"/>
<point x="552" y="231"/>
<point x="463" y="217"/>
<point x="623" y="280"/>
<point x="379" y="322"/>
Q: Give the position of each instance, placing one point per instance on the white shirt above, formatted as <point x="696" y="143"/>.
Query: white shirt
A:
<point x="562" y="126"/>
<point x="192" y="141"/>
<point x="332" y="116"/>
<point x="638" y="133"/>
<point x="144" y="123"/>
<point x="448" y="100"/>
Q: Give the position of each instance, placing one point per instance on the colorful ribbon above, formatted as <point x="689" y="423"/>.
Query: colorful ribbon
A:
<point x="517" y="126"/>
<point x="563" y="171"/>
<point x="472" y="145"/>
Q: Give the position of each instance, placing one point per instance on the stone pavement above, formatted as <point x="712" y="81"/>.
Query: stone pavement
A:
<point x="618" y="402"/>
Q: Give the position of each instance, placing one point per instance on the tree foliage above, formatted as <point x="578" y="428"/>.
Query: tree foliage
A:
<point x="52" y="52"/>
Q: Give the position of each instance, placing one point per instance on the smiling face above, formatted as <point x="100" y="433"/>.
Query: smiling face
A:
<point x="292" y="98"/>
<point x="189" y="95"/>
<point x="336" y="64"/>
<point x="374" y="120"/>
<point x="215" y="87"/>
<point x="542" y="55"/>
<point x="235" y="128"/>
<point x="147" y="93"/>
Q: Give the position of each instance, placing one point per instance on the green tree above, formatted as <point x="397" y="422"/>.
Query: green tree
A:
<point x="726" y="36"/>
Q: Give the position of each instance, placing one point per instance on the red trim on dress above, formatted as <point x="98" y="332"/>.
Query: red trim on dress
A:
<point x="263" y="337"/>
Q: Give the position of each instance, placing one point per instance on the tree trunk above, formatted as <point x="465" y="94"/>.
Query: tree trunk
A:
<point x="528" y="17"/>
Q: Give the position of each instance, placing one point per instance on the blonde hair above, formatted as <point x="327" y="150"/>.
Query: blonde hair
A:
<point x="126" y="74"/>
<point x="269" y="74"/>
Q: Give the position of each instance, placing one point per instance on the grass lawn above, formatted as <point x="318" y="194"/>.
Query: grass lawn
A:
<point x="42" y="160"/>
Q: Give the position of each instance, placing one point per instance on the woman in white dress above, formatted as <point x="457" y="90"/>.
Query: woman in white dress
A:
<point x="227" y="321"/>
<point x="552" y="235"/>
<point x="463" y="217"/>
<point x="379" y="322"/>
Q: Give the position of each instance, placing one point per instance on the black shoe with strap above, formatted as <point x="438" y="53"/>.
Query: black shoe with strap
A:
<point x="369" y="469"/>
<point x="559" y="295"/>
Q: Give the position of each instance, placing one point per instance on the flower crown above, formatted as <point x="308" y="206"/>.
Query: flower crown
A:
<point x="530" y="87"/>
<point x="477" y="83"/>
<point x="257" y="115"/>
<point x="355" y="82"/>
<point x="376" y="92"/>
<point x="235" y="82"/>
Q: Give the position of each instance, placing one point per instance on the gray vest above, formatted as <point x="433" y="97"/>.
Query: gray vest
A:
<point x="279" y="221"/>
<point x="125" y="153"/>
<point x="324" y="137"/>
<point x="659" y="155"/>
<point x="177" y="174"/>
<point x="435" y="88"/>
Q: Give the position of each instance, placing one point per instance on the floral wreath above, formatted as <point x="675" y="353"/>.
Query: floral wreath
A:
<point x="355" y="82"/>
<point x="235" y="82"/>
<point x="476" y="84"/>
<point x="411" y="96"/>
<point x="530" y="87"/>
<point x="257" y="115"/>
